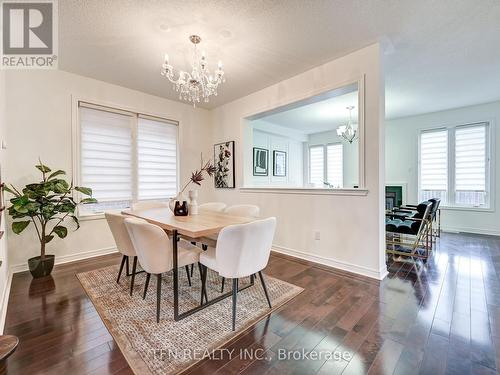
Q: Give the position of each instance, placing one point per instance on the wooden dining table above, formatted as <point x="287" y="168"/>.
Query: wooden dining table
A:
<point x="194" y="228"/>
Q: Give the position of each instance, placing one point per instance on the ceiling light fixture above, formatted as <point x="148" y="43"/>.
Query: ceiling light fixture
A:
<point x="348" y="132"/>
<point x="199" y="84"/>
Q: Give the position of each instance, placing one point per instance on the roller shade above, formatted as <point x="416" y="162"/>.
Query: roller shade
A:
<point x="470" y="164"/>
<point x="316" y="165"/>
<point x="157" y="159"/>
<point x="434" y="164"/>
<point x="106" y="154"/>
<point x="335" y="168"/>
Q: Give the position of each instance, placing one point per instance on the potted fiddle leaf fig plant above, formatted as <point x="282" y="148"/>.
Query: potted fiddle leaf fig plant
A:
<point x="47" y="205"/>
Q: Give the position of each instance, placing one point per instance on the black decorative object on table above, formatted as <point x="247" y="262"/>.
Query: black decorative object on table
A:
<point x="181" y="209"/>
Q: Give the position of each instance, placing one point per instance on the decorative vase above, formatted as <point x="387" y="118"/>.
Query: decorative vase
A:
<point x="41" y="267"/>
<point x="181" y="209"/>
<point x="179" y="198"/>
<point x="193" y="202"/>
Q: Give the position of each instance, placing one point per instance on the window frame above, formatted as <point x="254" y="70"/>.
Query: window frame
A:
<point x="325" y="162"/>
<point x="115" y="108"/>
<point x="451" y="178"/>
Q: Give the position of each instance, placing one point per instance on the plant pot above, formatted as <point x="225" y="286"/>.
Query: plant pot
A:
<point x="41" y="268"/>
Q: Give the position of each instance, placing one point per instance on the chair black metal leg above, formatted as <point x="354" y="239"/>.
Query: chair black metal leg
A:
<point x="128" y="268"/>
<point x="146" y="285"/>
<point x="265" y="289"/>
<point x="203" y="283"/>
<point x="222" y="287"/>
<point x="158" y="297"/>
<point x="235" y="294"/>
<point x="189" y="276"/>
<point x="121" y="268"/>
<point x="204" y="247"/>
<point x="252" y="277"/>
<point x="192" y="269"/>
<point x="133" y="275"/>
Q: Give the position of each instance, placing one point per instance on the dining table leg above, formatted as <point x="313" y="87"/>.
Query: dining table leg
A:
<point x="175" y="275"/>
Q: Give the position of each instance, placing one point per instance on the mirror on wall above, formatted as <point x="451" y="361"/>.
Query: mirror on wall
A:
<point x="312" y="144"/>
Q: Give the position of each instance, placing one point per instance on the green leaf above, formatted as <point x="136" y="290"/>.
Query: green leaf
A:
<point x="61" y="231"/>
<point x="88" y="200"/>
<point x="84" y="190"/>
<point x="56" y="173"/>
<point x="43" y="168"/>
<point x="61" y="187"/>
<point x="9" y="190"/>
<point x="19" y="226"/>
<point x="48" y="238"/>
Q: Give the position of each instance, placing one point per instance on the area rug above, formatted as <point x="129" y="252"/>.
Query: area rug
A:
<point x="171" y="347"/>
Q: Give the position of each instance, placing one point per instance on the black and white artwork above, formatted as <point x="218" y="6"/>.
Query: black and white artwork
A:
<point x="279" y="163"/>
<point x="224" y="165"/>
<point x="260" y="161"/>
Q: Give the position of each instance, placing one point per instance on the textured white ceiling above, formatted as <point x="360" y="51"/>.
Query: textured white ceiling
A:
<point x="315" y="116"/>
<point x="440" y="54"/>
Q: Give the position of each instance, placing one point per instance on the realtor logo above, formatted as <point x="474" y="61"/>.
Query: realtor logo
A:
<point x="29" y="34"/>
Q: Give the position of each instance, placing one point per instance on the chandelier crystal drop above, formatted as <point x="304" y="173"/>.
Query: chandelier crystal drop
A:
<point x="348" y="132"/>
<point x="198" y="85"/>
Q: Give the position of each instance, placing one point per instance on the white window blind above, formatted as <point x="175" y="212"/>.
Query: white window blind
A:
<point x="106" y="154"/>
<point x="157" y="159"/>
<point x="470" y="165"/>
<point x="335" y="165"/>
<point x="434" y="164"/>
<point x="126" y="157"/>
<point x="316" y="166"/>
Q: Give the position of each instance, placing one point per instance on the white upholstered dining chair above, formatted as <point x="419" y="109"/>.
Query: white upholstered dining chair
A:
<point x="242" y="250"/>
<point x="123" y="243"/>
<point x="147" y="205"/>
<point x="245" y="210"/>
<point x="212" y="207"/>
<point x="154" y="250"/>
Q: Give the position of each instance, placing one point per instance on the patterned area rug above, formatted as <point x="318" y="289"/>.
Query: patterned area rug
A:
<point x="170" y="347"/>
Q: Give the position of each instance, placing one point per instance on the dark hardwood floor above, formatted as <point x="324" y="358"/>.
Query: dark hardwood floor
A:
<point x="435" y="319"/>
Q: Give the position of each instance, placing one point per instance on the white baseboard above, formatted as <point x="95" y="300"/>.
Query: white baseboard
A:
<point x="344" y="266"/>
<point x="61" y="259"/>
<point x="470" y="230"/>
<point x="5" y="300"/>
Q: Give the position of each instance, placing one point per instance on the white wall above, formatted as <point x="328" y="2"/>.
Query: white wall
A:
<point x="294" y="160"/>
<point x="350" y="155"/>
<point x="351" y="228"/>
<point x="39" y="124"/>
<point x="4" y="269"/>
<point x="402" y="162"/>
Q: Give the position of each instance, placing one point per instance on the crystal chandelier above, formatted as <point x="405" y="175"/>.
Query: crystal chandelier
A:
<point x="199" y="84"/>
<point x="348" y="132"/>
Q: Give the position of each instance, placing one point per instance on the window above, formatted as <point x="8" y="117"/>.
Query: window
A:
<point x="326" y="160"/>
<point x="454" y="165"/>
<point x="434" y="164"/>
<point x="125" y="157"/>
<point x="334" y="166"/>
<point x="316" y="165"/>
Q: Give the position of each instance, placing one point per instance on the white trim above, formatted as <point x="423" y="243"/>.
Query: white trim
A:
<point x="490" y="168"/>
<point x="487" y="232"/>
<point x="356" y="79"/>
<point x="5" y="300"/>
<point x="113" y="107"/>
<point x="284" y="190"/>
<point x="61" y="259"/>
<point x="344" y="266"/>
